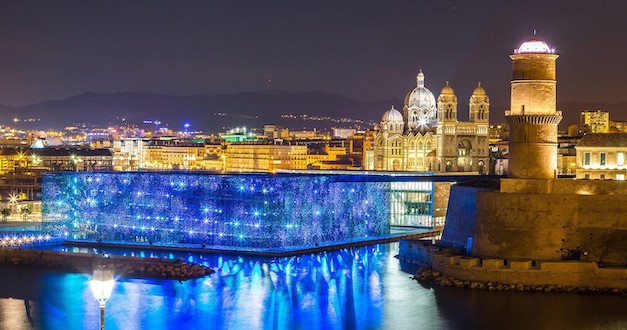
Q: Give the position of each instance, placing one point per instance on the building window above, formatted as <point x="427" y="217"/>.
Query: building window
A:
<point x="586" y="176"/>
<point x="620" y="159"/>
<point x="586" y="158"/>
<point x="602" y="176"/>
<point x="602" y="159"/>
<point x="620" y="177"/>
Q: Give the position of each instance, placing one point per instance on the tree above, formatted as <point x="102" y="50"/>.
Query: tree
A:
<point x="5" y="214"/>
<point x="25" y="210"/>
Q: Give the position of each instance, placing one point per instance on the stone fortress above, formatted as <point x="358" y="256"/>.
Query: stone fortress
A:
<point x="533" y="228"/>
<point x="428" y="137"/>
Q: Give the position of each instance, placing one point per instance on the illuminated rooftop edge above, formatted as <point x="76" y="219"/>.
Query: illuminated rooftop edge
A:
<point x="534" y="46"/>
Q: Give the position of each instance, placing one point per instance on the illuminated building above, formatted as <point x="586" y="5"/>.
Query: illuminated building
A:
<point x="566" y="155"/>
<point x="343" y="163"/>
<point x="620" y="126"/>
<point x="265" y="156"/>
<point x="254" y="210"/>
<point x="275" y="132"/>
<point x="238" y="134"/>
<point x="72" y="159"/>
<point x="12" y="159"/>
<point x="428" y="137"/>
<point x="128" y="154"/>
<point x="418" y="204"/>
<point x="337" y="154"/>
<point x="533" y="117"/>
<point x="342" y="133"/>
<point x="173" y="154"/>
<point x="597" y="121"/>
<point x="213" y="163"/>
<point x="306" y="135"/>
<point x="497" y="132"/>
<point x="602" y="156"/>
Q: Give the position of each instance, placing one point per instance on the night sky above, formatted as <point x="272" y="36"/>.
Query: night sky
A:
<point x="366" y="50"/>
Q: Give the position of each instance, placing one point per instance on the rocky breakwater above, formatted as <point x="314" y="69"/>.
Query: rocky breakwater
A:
<point x="133" y="267"/>
<point x="429" y="276"/>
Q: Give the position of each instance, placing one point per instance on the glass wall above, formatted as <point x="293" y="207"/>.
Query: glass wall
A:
<point x="250" y="210"/>
<point x="412" y="204"/>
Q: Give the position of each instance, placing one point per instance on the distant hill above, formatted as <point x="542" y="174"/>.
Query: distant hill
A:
<point x="211" y="113"/>
<point x="205" y="112"/>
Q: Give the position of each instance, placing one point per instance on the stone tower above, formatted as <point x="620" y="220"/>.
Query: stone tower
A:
<point x="479" y="105"/>
<point x="533" y="117"/>
<point x="447" y="105"/>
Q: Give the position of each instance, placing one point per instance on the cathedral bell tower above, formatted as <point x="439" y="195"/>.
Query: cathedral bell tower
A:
<point x="447" y="105"/>
<point x="533" y="117"/>
<point x="479" y="105"/>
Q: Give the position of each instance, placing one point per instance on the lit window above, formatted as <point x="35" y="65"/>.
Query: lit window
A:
<point x="620" y="159"/>
<point x="586" y="158"/>
<point x="620" y="177"/>
<point x="602" y="159"/>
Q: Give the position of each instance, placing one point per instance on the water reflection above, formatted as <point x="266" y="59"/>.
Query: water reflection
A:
<point x="362" y="288"/>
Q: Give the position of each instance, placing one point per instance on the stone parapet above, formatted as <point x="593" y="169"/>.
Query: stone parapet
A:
<point x="520" y="265"/>
<point x="518" y="272"/>
<point x="469" y="262"/>
<point x="534" y="119"/>
<point x="492" y="263"/>
<point x="563" y="186"/>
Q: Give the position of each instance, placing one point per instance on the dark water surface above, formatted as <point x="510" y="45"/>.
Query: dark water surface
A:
<point x="361" y="288"/>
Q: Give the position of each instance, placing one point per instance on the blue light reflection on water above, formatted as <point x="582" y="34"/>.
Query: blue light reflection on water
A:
<point x="341" y="289"/>
<point x="362" y="288"/>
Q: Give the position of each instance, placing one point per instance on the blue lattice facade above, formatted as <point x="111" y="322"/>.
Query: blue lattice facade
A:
<point x="249" y="210"/>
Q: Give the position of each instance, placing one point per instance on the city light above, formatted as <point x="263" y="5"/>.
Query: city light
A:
<point x="286" y="212"/>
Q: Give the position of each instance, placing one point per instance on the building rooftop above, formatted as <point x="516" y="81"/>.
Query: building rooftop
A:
<point x="73" y="151"/>
<point x="603" y="140"/>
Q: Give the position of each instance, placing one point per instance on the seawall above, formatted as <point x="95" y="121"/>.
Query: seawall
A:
<point x="570" y="276"/>
<point x="550" y="220"/>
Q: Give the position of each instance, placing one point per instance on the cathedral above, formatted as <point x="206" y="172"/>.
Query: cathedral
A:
<point x="427" y="136"/>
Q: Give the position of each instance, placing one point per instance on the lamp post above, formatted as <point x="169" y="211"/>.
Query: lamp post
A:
<point x="101" y="284"/>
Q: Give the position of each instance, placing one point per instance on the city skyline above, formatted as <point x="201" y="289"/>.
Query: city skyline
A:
<point x="365" y="51"/>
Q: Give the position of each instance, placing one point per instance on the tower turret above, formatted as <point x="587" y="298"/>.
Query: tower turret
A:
<point x="533" y="117"/>
<point x="479" y="105"/>
<point x="447" y="104"/>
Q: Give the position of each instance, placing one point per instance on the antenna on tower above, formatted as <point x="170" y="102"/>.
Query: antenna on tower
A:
<point x="534" y="32"/>
<point x="270" y="81"/>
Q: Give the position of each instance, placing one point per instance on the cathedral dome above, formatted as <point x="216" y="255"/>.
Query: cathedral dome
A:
<point x="447" y="90"/>
<point x="479" y="91"/>
<point x="392" y="115"/>
<point x="421" y="97"/>
<point x="534" y="46"/>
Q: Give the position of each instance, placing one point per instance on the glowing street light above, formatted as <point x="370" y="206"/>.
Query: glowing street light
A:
<point x="101" y="284"/>
<point x="75" y="160"/>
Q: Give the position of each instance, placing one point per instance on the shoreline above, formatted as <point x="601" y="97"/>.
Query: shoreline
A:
<point x="130" y="267"/>
<point x="427" y="275"/>
<point x="448" y="267"/>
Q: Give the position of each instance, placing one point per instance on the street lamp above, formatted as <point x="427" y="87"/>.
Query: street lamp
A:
<point x="75" y="160"/>
<point x="101" y="284"/>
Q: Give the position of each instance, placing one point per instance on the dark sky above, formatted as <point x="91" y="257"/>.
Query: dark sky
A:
<point x="362" y="49"/>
